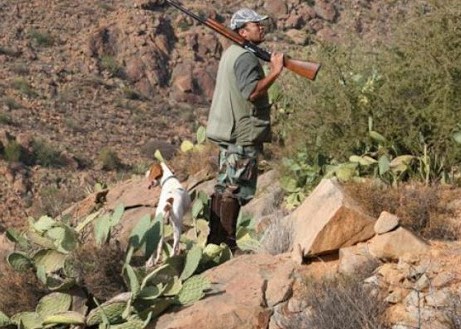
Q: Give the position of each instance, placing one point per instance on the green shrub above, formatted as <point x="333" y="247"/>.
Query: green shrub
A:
<point x="11" y="103"/>
<point x="409" y="88"/>
<point x="109" y="63"/>
<point x="6" y="119"/>
<point x="110" y="160"/>
<point x="46" y="155"/>
<point x="13" y="152"/>
<point x="24" y="87"/>
<point x="43" y="39"/>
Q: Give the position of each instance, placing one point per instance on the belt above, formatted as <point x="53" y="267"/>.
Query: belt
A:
<point x="231" y="148"/>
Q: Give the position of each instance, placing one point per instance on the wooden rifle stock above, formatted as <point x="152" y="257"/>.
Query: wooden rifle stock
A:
<point x="303" y="68"/>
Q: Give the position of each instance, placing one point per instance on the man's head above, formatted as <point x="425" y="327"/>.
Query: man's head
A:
<point x="247" y="23"/>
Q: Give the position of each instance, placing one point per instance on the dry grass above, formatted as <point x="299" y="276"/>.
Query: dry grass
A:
<point x="100" y="269"/>
<point x="342" y="303"/>
<point x="186" y="164"/>
<point x="453" y="314"/>
<point x="278" y="236"/>
<point x="421" y="208"/>
<point x="19" y="291"/>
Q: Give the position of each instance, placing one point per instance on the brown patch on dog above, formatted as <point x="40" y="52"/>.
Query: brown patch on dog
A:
<point x="154" y="174"/>
<point x="169" y="204"/>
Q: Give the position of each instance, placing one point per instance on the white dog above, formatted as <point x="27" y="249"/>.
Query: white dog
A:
<point x="173" y="203"/>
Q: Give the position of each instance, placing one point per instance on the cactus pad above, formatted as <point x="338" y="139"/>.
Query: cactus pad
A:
<point x="112" y="310"/>
<point x="19" y="261"/>
<point x="68" y="317"/>
<point x="133" y="324"/>
<point x="192" y="261"/>
<point x="27" y="320"/>
<point x="193" y="290"/>
<point x="53" y="303"/>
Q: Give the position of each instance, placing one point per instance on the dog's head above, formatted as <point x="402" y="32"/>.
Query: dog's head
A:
<point x="154" y="175"/>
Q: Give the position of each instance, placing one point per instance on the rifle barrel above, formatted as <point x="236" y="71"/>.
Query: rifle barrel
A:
<point x="305" y="69"/>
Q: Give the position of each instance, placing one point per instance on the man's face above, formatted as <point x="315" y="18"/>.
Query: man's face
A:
<point x="253" y="32"/>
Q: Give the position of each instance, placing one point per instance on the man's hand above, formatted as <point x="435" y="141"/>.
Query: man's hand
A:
<point x="275" y="68"/>
<point x="276" y="64"/>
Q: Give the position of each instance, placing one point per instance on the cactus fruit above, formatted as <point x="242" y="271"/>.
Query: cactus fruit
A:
<point x="68" y="317"/>
<point x="193" y="290"/>
<point x="53" y="303"/>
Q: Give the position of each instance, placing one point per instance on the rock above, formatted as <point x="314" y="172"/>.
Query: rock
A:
<point x="325" y="10"/>
<point x="276" y="8"/>
<point x="329" y="220"/>
<point x="353" y="260"/>
<point x="244" y="300"/>
<point x="298" y="37"/>
<point x="386" y="222"/>
<point x="395" y="244"/>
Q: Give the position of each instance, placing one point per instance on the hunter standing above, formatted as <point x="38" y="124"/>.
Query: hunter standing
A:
<point x="239" y="122"/>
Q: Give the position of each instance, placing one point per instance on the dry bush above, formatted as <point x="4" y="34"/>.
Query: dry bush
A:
<point x="278" y="235"/>
<point x="453" y="314"/>
<point x="19" y="291"/>
<point x="421" y="208"/>
<point x="99" y="268"/>
<point x="342" y="303"/>
<point x="186" y="164"/>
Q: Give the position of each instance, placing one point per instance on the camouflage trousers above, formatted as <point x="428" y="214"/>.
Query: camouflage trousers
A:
<point x="238" y="171"/>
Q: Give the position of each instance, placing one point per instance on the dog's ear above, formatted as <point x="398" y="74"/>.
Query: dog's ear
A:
<point x="155" y="172"/>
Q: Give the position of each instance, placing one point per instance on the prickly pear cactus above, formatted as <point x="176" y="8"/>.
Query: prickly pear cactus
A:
<point x="19" y="261"/>
<point x="68" y="317"/>
<point x="133" y="324"/>
<point x="50" y="259"/>
<point x="193" y="290"/>
<point x="4" y="320"/>
<point x="53" y="303"/>
<point x="192" y="261"/>
<point x="111" y="310"/>
<point x="27" y="320"/>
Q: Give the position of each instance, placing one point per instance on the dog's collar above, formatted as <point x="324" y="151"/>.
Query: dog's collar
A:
<point x="169" y="177"/>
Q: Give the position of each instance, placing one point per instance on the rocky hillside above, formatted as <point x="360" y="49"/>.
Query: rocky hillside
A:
<point x="88" y="91"/>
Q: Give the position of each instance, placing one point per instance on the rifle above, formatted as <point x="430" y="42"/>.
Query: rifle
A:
<point x="305" y="69"/>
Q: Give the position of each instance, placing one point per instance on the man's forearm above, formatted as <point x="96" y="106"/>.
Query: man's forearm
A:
<point x="263" y="85"/>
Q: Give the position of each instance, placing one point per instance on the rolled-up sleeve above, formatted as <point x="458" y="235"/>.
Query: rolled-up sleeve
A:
<point x="248" y="73"/>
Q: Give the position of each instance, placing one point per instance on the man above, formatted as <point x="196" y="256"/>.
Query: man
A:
<point x="239" y="121"/>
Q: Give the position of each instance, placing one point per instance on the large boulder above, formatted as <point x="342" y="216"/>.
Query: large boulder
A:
<point x="249" y="287"/>
<point x="329" y="220"/>
<point x="392" y="245"/>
